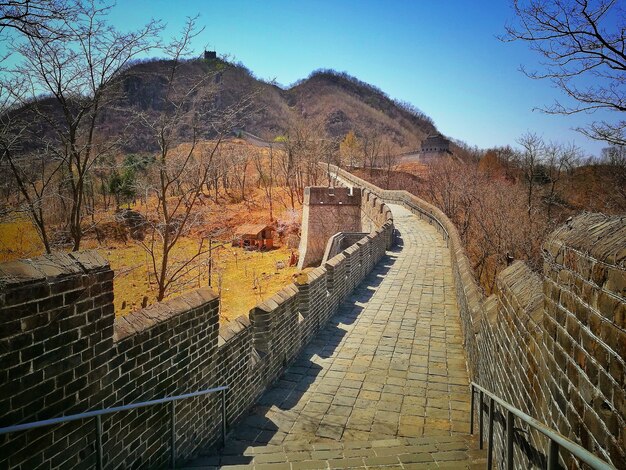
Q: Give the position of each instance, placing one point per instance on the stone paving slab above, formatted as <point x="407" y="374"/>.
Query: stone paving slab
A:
<point x="390" y="364"/>
<point x="404" y="453"/>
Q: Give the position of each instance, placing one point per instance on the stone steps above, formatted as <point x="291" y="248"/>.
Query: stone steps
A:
<point x="452" y="452"/>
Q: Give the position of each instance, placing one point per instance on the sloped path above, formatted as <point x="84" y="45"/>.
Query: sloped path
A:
<point x="390" y="364"/>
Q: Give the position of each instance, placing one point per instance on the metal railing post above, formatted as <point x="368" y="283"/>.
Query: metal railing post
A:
<point x="491" y="424"/>
<point x="97" y="414"/>
<point x="173" y="432"/>
<point x="472" y="410"/>
<point x="224" y="417"/>
<point x="480" y="419"/>
<point x="509" y="440"/>
<point x="553" y="455"/>
<point x="99" y="457"/>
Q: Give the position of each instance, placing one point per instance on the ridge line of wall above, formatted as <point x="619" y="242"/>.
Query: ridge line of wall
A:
<point x="553" y="344"/>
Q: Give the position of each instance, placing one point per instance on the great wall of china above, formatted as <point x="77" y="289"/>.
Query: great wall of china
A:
<point x="551" y="344"/>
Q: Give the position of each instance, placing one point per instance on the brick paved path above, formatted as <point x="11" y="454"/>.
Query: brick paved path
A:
<point x="389" y="365"/>
<point x="391" y="362"/>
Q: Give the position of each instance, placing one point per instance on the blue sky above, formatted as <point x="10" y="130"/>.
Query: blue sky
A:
<point x="442" y="56"/>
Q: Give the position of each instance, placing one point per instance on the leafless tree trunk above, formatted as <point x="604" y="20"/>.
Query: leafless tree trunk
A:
<point x="614" y="157"/>
<point x="182" y="169"/>
<point x="529" y="159"/>
<point x="558" y="159"/>
<point x="76" y="68"/>
<point x="371" y="145"/>
<point x="241" y="161"/>
<point x="389" y="153"/>
<point x="265" y="170"/>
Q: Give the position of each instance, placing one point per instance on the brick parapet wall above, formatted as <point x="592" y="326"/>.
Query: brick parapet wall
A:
<point x="240" y="366"/>
<point x="469" y="296"/>
<point x="513" y="365"/>
<point x="585" y="332"/>
<point x="63" y="351"/>
<point x="56" y="316"/>
<point x="174" y="353"/>
<point x="553" y="345"/>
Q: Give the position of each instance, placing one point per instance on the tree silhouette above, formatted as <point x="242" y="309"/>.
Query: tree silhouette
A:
<point x="583" y="48"/>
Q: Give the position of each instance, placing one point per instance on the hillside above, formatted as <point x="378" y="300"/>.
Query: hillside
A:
<point x="339" y="101"/>
<point x="344" y="103"/>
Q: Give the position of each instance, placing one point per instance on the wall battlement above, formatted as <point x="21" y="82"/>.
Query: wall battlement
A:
<point x="63" y="351"/>
<point x="552" y="344"/>
<point x="325" y="212"/>
<point x="333" y="196"/>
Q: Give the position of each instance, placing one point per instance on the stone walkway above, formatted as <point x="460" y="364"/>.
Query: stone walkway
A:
<point x="390" y="364"/>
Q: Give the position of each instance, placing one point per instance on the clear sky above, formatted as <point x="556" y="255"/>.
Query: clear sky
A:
<point x="442" y="56"/>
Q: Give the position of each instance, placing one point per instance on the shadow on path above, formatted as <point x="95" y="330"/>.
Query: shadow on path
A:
<point x="271" y="419"/>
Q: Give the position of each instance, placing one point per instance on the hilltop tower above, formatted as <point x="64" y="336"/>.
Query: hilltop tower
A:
<point x="435" y="143"/>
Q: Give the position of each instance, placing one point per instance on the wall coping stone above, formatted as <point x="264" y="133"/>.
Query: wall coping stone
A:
<point x="230" y="330"/>
<point x="525" y="286"/>
<point x="594" y="234"/>
<point x="51" y="266"/>
<point x="161" y="312"/>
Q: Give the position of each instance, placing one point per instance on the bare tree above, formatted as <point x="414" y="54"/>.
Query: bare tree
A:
<point x="583" y="47"/>
<point x="558" y="159"/>
<point x="33" y="173"/>
<point x="290" y="160"/>
<point x="184" y="165"/>
<point x="529" y="160"/>
<point x="36" y="17"/>
<point x="265" y="168"/>
<point x="237" y="160"/>
<point x="305" y="146"/>
<point x="371" y="146"/>
<point x="389" y="151"/>
<point x="450" y="185"/>
<point x="76" y="69"/>
<point x="614" y="158"/>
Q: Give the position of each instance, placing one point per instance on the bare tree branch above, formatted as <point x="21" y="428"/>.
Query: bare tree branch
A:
<point x="583" y="48"/>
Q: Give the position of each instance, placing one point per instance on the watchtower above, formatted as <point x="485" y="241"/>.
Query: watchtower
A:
<point x="325" y="212"/>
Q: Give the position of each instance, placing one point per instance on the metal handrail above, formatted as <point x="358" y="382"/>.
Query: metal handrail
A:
<point x="556" y="440"/>
<point x="97" y="414"/>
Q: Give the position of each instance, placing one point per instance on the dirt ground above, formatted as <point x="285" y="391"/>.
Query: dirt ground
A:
<point x="243" y="278"/>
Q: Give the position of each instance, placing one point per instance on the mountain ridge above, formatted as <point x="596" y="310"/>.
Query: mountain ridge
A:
<point x="335" y="100"/>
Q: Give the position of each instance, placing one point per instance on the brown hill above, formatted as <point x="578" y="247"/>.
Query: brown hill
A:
<point x="345" y="103"/>
<point x="341" y="102"/>
<point x="336" y="101"/>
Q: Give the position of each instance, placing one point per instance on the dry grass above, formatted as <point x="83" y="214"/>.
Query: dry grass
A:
<point x="18" y="239"/>
<point x="244" y="278"/>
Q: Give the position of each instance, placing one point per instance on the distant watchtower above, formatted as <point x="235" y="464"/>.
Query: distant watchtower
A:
<point x="210" y="55"/>
<point x="436" y="143"/>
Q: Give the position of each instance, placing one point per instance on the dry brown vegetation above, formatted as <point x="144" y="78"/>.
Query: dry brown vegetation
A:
<point x="235" y="194"/>
<point x="505" y="202"/>
<point x="335" y="101"/>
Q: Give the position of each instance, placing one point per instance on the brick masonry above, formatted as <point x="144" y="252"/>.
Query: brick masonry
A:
<point x="326" y="211"/>
<point x="551" y="344"/>
<point x="63" y="351"/>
